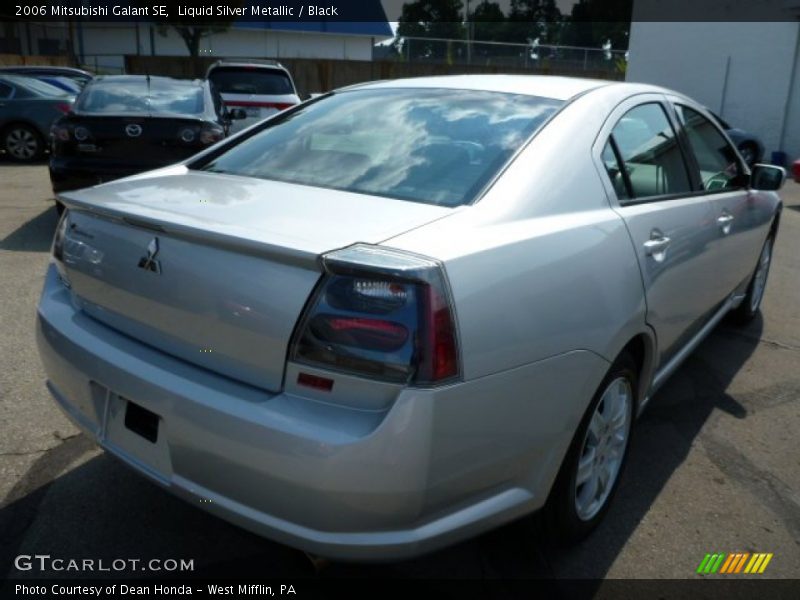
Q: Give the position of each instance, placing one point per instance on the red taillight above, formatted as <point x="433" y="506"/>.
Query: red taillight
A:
<point x="441" y="360"/>
<point x="319" y="383"/>
<point x="375" y="334"/>
<point x="211" y="135"/>
<point x="60" y="133"/>
<point x="389" y="319"/>
<point x="64" y="107"/>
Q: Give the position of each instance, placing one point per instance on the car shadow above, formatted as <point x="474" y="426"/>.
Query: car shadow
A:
<point x="103" y="510"/>
<point x="35" y="235"/>
<point x="5" y="161"/>
<point x="662" y="440"/>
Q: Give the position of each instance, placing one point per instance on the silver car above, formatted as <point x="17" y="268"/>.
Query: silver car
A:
<point x="409" y="311"/>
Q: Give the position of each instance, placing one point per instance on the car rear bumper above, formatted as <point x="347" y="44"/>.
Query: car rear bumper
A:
<point x="436" y="467"/>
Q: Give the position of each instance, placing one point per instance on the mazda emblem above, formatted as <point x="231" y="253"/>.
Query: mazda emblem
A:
<point x="133" y="130"/>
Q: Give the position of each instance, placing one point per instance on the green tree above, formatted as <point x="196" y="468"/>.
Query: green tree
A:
<point x="531" y="19"/>
<point x="430" y="19"/>
<point x="488" y="22"/>
<point x="593" y="22"/>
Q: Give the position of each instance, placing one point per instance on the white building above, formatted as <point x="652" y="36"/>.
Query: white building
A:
<point x="747" y="72"/>
<point x="102" y="46"/>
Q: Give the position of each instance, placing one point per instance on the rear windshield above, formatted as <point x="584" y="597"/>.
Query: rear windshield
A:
<point x="245" y="80"/>
<point x="135" y="95"/>
<point x="427" y="145"/>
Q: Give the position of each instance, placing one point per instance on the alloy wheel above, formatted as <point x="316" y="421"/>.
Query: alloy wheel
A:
<point x="22" y="144"/>
<point x="603" y="448"/>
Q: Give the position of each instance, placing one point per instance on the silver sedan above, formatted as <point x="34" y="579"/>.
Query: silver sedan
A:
<point x="406" y="312"/>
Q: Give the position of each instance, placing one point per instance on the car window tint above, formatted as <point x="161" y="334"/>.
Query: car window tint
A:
<point x="615" y="171"/>
<point x="431" y="146"/>
<point x="22" y="93"/>
<point x="126" y="95"/>
<point x="246" y="80"/>
<point x="36" y="87"/>
<point x="716" y="158"/>
<point x="5" y="90"/>
<point x="219" y="106"/>
<point x="650" y="153"/>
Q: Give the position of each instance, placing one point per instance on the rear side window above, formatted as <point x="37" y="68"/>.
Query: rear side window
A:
<point x="244" y="80"/>
<point x="716" y="158"/>
<point x="652" y="164"/>
<point x="615" y="172"/>
<point x="427" y="145"/>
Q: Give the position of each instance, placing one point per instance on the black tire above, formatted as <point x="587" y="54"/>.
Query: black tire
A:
<point x="561" y="518"/>
<point x="751" y="305"/>
<point x="23" y="143"/>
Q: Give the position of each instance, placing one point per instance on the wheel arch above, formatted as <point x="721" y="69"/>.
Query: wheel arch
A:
<point x="27" y="122"/>
<point x="43" y="138"/>
<point x="643" y="349"/>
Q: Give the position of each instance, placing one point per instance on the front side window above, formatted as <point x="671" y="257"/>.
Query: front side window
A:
<point x="652" y="161"/>
<point x="433" y="146"/>
<point x="716" y="158"/>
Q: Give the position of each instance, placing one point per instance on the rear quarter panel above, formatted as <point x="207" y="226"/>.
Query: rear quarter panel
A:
<point x="541" y="265"/>
<point x="37" y="112"/>
<point x="547" y="292"/>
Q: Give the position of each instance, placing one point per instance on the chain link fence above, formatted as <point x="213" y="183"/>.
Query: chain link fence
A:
<point x="500" y="54"/>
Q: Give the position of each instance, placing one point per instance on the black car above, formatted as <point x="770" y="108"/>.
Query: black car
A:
<point x="125" y="124"/>
<point x="750" y="147"/>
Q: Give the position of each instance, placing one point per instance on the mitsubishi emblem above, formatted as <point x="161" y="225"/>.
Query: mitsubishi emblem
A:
<point x="149" y="262"/>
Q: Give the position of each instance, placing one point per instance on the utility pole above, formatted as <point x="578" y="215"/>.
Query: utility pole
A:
<point x="469" y="36"/>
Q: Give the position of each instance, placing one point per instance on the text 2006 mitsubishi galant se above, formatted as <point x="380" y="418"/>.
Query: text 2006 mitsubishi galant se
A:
<point x="408" y="311"/>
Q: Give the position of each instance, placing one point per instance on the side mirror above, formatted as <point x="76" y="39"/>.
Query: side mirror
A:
<point x="237" y="114"/>
<point x="767" y="178"/>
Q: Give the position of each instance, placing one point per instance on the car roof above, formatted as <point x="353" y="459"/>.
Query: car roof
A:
<point x="44" y="68"/>
<point x="17" y="78"/>
<point x="545" y="86"/>
<point x="251" y="64"/>
<point x="113" y="78"/>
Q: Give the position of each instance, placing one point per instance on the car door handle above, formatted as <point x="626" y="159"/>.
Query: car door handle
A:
<point x="725" y="221"/>
<point x="656" y="246"/>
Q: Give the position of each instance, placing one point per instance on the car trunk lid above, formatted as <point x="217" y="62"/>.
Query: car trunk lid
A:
<point x="134" y="139"/>
<point x="215" y="269"/>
